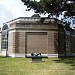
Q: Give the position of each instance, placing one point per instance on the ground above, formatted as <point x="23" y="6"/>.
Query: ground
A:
<point x="50" y="66"/>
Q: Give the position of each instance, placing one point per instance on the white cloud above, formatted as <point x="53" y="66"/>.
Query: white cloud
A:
<point x="11" y="9"/>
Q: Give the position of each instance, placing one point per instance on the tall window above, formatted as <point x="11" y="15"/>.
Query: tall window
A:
<point x="4" y="37"/>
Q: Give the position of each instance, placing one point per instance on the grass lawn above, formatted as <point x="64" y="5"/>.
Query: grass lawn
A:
<point x="51" y="66"/>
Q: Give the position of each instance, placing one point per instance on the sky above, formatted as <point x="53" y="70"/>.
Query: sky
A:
<point x="11" y="9"/>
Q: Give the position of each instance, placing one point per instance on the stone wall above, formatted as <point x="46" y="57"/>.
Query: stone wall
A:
<point x="10" y="43"/>
<point x="0" y="41"/>
<point x="26" y="38"/>
<point x="23" y="43"/>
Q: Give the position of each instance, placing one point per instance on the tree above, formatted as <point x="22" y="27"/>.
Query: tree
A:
<point x="52" y="7"/>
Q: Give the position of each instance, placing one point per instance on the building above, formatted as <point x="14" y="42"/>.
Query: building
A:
<point x="66" y="41"/>
<point x="25" y="35"/>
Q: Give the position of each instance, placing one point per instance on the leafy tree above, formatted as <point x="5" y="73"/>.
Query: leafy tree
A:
<point x="52" y="7"/>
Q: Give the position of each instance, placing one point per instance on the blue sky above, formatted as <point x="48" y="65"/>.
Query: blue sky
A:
<point x="11" y="9"/>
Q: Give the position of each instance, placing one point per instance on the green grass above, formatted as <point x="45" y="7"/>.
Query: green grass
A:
<point x="51" y="66"/>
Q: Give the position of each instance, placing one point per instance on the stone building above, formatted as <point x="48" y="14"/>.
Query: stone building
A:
<point x="25" y="35"/>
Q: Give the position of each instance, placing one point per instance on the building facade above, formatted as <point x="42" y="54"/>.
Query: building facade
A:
<point x="25" y="35"/>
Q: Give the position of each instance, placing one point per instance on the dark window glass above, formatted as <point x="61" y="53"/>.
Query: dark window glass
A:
<point x="4" y="38"/>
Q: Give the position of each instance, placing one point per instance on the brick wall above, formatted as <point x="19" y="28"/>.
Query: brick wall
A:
<point x="16" y="42"/>
<point x="51" y="39"/>
<point x="37" y="42"/>
<point x="29" y="42"/>
<point x="29" y="39"/>
<point x="21" y="42"/>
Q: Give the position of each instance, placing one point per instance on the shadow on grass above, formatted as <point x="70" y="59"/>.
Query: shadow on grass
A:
<point x="2" y="56"/>
<point x="67" y="60"/>
<point x="5" y="57"/>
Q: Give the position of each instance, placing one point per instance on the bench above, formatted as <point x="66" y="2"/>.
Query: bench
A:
<point x="36" y="57"/>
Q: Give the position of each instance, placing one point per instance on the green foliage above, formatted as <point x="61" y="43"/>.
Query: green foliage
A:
<point x="42" y="20"/>
<point x="52" y="7"/>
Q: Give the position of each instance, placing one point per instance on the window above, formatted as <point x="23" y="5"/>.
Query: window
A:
<point x="4" y="37"/>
